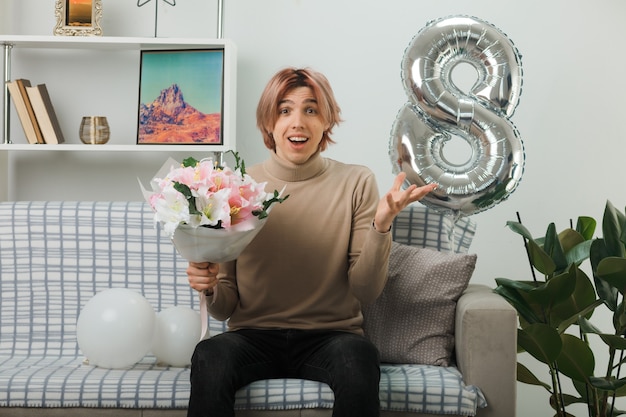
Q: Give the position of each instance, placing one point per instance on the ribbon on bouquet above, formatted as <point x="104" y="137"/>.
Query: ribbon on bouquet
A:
<point x="204" y="315"/>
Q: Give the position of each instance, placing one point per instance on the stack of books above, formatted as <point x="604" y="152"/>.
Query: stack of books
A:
<point x="35" y="111"/>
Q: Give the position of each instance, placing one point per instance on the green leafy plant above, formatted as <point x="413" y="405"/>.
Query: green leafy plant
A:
<point x="555" y="310"/>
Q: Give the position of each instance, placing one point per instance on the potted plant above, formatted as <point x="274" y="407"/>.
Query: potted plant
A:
<point x="555" y="310"/>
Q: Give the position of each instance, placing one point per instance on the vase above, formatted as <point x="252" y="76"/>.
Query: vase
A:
<point x="94" y="130"/>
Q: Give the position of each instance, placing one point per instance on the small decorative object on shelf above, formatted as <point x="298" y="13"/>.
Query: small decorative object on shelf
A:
<point x="94" y="130"/>
<point x="78" y="17"/>
<point x="141" y="3"/>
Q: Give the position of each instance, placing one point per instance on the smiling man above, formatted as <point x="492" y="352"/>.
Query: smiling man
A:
<point x="293" y="297"/>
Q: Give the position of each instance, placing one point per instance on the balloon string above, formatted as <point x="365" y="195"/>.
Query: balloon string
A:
<point x="204" y="315"/>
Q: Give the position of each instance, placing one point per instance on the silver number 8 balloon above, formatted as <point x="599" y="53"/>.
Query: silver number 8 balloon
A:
<point x="439" y="109"/>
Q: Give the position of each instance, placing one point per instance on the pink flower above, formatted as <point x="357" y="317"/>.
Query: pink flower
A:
<point x="199" y="193"/>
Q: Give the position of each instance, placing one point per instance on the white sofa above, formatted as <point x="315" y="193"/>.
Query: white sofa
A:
<point x="55" y="256"/>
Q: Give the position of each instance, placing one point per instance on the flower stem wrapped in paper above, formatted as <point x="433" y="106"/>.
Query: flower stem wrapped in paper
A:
<point x="210" y="212"/>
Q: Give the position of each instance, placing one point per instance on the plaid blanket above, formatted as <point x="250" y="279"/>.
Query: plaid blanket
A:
<point x="55" y="256"/>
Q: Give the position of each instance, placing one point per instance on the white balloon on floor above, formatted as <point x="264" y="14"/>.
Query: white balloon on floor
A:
<point x="115" y="329"/>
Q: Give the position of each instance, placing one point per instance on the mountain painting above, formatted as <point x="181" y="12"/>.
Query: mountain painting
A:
<point x="181" y="97"/>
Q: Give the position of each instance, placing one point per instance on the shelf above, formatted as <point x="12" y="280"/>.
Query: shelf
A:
<point x="107" y="148"/>
<point x="118" y="43"/>
<point x="125" y="44"/>
<point x="73" y="54"/>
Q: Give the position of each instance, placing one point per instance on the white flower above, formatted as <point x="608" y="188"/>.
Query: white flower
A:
<point x="170" y="208"/>
<point x="214" y="208"/>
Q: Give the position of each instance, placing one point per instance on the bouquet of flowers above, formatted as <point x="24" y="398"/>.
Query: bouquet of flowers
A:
<point x="211" y="212"/>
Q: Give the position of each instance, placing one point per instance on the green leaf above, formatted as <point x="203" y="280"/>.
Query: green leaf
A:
<point x="621" y="392"/>
<point x="619" y="319"/>
<point x="579" y="253"/>
<point x="557" y="289"/>
<point x="520" y="229"/>
<point x="264" y="212"/>
<point x="570" y="238"/>
<point x="516" y="294"/>
<point x="606" y="292"/>
<point x="612" y="222"/>
<point x="613" y="271"/>
<point x="607" y="384"/>
<point x="586" y="226"/>
<point x="576" y="359"/>
<point x="567" y="400"/>
<point x="552" y="246"/>
<point x="583" y="296"/>
<point x="525" y="376"/>
<point x="584" y="313"/>
<point x="525" y="286"/>
<point x="240" y="164"/>
<point x="588" y="327"/>
<point x="541" y="341"/>
<point x="190" y="162"/>
<point x="186" y="192"/>
<point x="540" y="259"/>
<point x="582" y="388"/>
<point x="613" y="341"/>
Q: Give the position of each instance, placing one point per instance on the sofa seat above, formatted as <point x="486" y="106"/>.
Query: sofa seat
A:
<point x="68" y="382"/>
<point x="55" y="256"/>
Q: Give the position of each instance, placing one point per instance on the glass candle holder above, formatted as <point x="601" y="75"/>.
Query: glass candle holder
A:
<point x="94" y="130"/>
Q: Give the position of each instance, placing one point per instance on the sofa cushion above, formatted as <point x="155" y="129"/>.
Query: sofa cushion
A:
<point x="403" y="388"/>
<point x="413" y="319"/>
<point x="51" y="382"/>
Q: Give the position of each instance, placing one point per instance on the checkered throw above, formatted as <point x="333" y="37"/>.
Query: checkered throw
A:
<point x="55" y="256"/>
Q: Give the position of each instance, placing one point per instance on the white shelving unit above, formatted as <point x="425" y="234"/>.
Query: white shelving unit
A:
<point x="91" y="47"/>
<point x="125" y="44"/>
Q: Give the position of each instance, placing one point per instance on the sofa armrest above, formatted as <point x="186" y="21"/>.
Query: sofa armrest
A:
<point x="486" y="348"/>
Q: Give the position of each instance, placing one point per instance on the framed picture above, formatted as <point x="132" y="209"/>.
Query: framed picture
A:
<point x="181" y="97"/>
<point x="78" y="17"/>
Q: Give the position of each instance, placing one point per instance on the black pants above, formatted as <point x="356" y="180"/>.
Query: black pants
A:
<point x="223" y="364"/>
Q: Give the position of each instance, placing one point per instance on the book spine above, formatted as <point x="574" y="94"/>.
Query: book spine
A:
<point x="51" y="113"/>
<point x="46" y="116"/>
<point x="22" y="84"/>
<point x="22" y="112"/>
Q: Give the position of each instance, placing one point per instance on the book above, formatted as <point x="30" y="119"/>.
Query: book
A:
<point x="24" y="109"/>
<point x="46" y="116"/>
<point x="22" y="84"/>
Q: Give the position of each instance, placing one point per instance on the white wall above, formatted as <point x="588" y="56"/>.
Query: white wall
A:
<point x="570" y="115"/>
